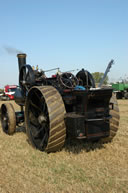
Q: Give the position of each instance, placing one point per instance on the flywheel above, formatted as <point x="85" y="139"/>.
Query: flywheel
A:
<point x="44" y="118"/>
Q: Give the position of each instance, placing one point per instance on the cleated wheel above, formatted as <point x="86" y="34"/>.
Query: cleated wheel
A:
<point x="44" y="118"/>
<point x="114" y="122"/>
<point x="126" y="95"/>
<point x="8" y="118"/>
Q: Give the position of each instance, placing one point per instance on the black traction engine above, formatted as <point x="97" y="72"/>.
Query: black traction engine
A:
<point x="63" y="105"/>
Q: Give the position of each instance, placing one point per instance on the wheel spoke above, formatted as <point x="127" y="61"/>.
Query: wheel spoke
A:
<point x="39" y="131"/>
<point x="67" y="82"/>
<point x="43" y="139"/>
<point x="43" y="106"/>
<point x="33" y="124"/>
<point x="5" y="124"/>
<point x="39" y="98"/>
<point x="35" y="106"/>
<point x="44" y="109"/>
<point x="32" y="114"/>
<point x="34" y="131"/>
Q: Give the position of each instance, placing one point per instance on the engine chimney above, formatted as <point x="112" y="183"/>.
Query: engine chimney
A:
<point x="21" y="60"/>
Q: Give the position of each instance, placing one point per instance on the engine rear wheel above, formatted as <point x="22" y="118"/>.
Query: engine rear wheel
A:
<point x="126" y="95"/>
<point x="8" y="118"/>
<point x="114" y="122"/>
<point x="44" y="118"/>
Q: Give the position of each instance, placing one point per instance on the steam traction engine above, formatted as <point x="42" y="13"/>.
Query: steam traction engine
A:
<point x="60" y="106"/>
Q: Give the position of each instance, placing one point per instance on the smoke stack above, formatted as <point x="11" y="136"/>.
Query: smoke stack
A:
<point x="21" y="60"/>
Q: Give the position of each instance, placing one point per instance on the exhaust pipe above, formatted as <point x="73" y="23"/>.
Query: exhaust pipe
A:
<point x="20" y="93"/>
<point x="21" y="60"/>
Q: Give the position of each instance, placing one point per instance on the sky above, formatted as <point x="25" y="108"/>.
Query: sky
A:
<point x="69" y="34"/>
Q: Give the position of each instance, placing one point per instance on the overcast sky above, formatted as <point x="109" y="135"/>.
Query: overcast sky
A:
<point x="70" y="34"/>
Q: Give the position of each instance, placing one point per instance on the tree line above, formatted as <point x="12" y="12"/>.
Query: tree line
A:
<point x="98" y="76"/>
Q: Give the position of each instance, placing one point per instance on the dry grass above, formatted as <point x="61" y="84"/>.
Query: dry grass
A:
<point x="80" y="167"/>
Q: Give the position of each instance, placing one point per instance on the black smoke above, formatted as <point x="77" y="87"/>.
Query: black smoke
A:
<point x="11" y="50"/>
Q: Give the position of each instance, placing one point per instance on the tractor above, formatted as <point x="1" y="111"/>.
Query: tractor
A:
<point x="121" y="90"/>
<point x="61" y="106"/>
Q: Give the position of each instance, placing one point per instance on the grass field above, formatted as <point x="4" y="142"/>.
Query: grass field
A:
<point x="80" y="167"/>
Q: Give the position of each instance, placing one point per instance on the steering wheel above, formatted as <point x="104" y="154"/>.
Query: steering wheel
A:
<point x="68" y="80"/>
<point x="26" y="77"/>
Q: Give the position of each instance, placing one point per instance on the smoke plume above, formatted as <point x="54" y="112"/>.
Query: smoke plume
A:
<point x="11" y="50"/>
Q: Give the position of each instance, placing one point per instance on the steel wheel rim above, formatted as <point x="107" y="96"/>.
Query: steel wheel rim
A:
<point x="38" y="119"/>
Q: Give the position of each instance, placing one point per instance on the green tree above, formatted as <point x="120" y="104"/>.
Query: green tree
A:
<point x="98" y="76"/>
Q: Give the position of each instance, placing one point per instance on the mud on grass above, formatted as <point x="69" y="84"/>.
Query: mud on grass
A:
<point x="79" y="167"/>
